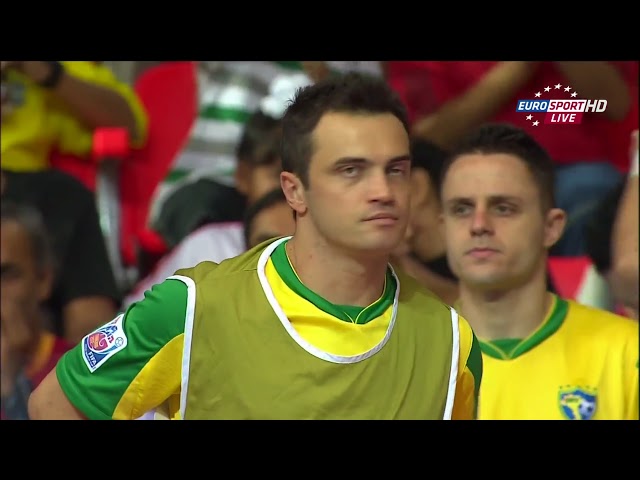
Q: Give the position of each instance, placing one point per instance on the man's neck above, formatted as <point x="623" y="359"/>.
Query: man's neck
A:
<point x="335" y="275"/>
<point x="513" y="314"/>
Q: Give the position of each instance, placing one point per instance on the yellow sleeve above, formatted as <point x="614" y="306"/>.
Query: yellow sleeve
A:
<point x="74" y="137"/>
<point x="465" y="406"/>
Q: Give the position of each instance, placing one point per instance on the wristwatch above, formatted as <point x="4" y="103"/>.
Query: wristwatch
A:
<point x="55" y="74"/>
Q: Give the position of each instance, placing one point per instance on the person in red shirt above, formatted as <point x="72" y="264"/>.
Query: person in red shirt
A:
<point x="447" y="99"/>
<point x="28" y="351"/>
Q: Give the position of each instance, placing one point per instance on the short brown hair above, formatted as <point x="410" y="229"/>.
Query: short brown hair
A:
<point x="348" y="93"/>
<point x="509" y="139"/>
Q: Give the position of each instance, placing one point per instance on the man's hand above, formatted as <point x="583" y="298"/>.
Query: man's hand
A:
<point x="481" y="102"/>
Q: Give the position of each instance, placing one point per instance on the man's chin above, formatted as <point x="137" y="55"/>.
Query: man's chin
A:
<point x="487" y="283"/>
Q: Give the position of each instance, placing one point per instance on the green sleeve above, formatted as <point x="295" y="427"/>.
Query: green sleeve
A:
<point x="96" y="373"/>
<point x="474" y="363"/>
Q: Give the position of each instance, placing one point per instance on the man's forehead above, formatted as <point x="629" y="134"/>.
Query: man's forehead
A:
<point x="15" y="241"/>
<point x="499" y="174"/>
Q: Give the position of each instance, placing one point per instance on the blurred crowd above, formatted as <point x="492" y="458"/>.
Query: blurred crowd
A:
<point x="109" y="184"/>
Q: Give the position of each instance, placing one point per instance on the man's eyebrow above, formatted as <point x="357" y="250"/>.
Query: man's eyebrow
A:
<point x="492" y="199"/>
<point x="362" y="161"/>
<point x="341" y="162"/>
<point x="455" y="200"/>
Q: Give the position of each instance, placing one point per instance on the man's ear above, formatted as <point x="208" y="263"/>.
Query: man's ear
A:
<point x="554" y="225"/>
<point x="294" y="192"/>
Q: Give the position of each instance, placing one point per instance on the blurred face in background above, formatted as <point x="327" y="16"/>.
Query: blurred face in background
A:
<point x="424" y="236"/>
<point x="25" y="283"/>
<point x="259" y="166"/>
<point x="273" y="221"/>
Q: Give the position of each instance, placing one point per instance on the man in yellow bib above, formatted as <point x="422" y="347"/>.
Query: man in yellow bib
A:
<point x="545" y="358"/>
<point x="314" y="326"/>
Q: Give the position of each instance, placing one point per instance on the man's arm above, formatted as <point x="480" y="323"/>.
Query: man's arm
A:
<point x="93" y="95"/>
<point x="465" y="405"/>
<point x="125" y="368"/>
<point x="623" y="275"/>
<point x="599" y="80"/>
<point x="479" y="103"/>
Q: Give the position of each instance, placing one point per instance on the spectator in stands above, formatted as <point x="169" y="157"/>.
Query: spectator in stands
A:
<point x="425" y="258"/>
<point x="192" y="217"/>
<point x="84" y="294"/>
<point x="27" y="266"/>
<point x="203" y="202"/>
<point x="452" y="98"/>
<point x="624" y="272"/>
<point x="269" y="216"/>
<point x="49" y="106"/>
<point x="205" y="174"/>
<point x="594" y="289"/>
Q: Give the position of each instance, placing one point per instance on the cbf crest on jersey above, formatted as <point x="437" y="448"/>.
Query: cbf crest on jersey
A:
<point x="103" y="343"/>
<point x="577" y="403"/>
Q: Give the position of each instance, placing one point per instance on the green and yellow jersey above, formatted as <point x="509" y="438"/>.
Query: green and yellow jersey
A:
<point x="134" y="367"/>
<point x="580" y="364"/>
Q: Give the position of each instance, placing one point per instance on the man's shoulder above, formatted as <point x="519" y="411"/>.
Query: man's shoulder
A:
<point x="600" y="325"/>
<point x="244" y="263"/>
<point x="414" y="294"/>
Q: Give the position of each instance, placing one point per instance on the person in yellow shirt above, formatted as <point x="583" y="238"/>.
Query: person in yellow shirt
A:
<point x="544" y="357"/>
<point x="58" y="105"/>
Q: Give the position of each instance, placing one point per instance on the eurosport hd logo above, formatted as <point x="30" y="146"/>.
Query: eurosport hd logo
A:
<point x="557" y="110"/>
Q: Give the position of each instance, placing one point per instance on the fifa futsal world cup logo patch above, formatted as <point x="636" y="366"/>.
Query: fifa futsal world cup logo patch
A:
<point x="557" y="104"/>
<point x="103" y="343"/>
<point x="577" y="403"/>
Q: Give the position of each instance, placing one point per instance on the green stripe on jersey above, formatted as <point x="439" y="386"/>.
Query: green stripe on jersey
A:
<point x="148" y="325"/>
<point x="474" y="363"/>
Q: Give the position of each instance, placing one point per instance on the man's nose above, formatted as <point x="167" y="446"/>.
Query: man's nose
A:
<point x="380" y="189"/>
<point x="480" y="222"/>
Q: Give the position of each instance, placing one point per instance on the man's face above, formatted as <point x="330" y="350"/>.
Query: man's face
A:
<point x="358" y="192"/>
<point x="254" y="181"/>
<point x="496" y="231"/>
<point x="23" y="284"/>
<point x="274" y="221"/>
<point x="424" y="238"/>
<point x="264" y="178"/>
